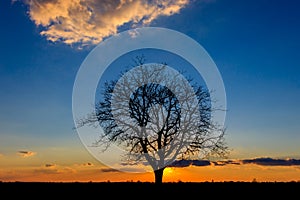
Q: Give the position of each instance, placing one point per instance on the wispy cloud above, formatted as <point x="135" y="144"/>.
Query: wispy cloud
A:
<point x="109" y="170"/>
<point x="90" y="21"/>
<point x="54" y="169"/>
<point x="51" y="168"/>
<point x="49" y="165"/>
<point x="47" y="171"/>
<point x="88" y="164"/>
<point x="26" y="154"/>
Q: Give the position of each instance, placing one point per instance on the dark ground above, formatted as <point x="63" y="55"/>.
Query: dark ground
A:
<point x="140" y="190"/>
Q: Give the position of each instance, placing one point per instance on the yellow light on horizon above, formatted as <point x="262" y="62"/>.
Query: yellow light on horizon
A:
<point x="168" y="171"/>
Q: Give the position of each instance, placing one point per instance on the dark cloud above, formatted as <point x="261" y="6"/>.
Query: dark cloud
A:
<point x="226" y="162"/>
<point x="186" y="163"/>
<point x="257" y="161"/>
<point x="49" y="165"/>
<point x="109" y="170"/>
<point x="272" y="162"/>
<point x="201" y="162"/>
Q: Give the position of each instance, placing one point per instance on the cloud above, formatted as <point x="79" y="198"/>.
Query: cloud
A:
<point x="186" y="163"/>
<point x="109" y="170"/>
<point x="84" y="165"/>
<point x="256" y="161"/>
<point x="227" y="162"/>
<point x="49" y="165"/>
<point x="272" y="162"/>
<point x="87" y="164"/>
<point x="129" y="168"/>
<point x="26" y="154"/>
<point x="90" y="21"/>
<point x="54" y="169"/>
<point x="47" y="171"/>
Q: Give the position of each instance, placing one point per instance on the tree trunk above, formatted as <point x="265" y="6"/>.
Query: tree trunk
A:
<point x="159" y="175"/>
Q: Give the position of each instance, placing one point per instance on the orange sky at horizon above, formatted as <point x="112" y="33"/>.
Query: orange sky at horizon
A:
<point x="71" y="164"/>
<point x="97" y="173"/>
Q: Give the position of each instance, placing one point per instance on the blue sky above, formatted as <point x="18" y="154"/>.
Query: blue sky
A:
<point x="255" y="45"/>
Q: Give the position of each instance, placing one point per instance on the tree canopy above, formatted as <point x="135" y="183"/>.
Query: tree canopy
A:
<point x="156" y="115"/>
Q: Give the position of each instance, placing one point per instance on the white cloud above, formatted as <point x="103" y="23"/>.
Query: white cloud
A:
<point x="90" y="21"/>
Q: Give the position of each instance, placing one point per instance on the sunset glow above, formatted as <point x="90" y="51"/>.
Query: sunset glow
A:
<point x="254" y="45"/>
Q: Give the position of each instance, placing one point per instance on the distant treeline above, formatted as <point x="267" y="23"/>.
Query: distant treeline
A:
<point x="146" y="190"/>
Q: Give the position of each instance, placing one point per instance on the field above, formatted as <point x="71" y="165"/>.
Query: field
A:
<point x="141" y="190"/>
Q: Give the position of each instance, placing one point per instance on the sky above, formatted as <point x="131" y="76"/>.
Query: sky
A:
<point x="254" y="44"/>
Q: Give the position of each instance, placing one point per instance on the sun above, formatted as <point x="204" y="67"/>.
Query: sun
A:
<point x="168" y="171"/>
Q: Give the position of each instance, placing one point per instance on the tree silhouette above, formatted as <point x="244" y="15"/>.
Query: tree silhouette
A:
<point x="157" y="116"/>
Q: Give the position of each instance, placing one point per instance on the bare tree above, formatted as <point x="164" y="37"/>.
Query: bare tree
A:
<point x="158" y="116"/>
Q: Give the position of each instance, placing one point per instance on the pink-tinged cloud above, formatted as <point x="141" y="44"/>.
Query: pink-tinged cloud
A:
<point x="90" y="21"/>
<point x="26" y="154"/>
